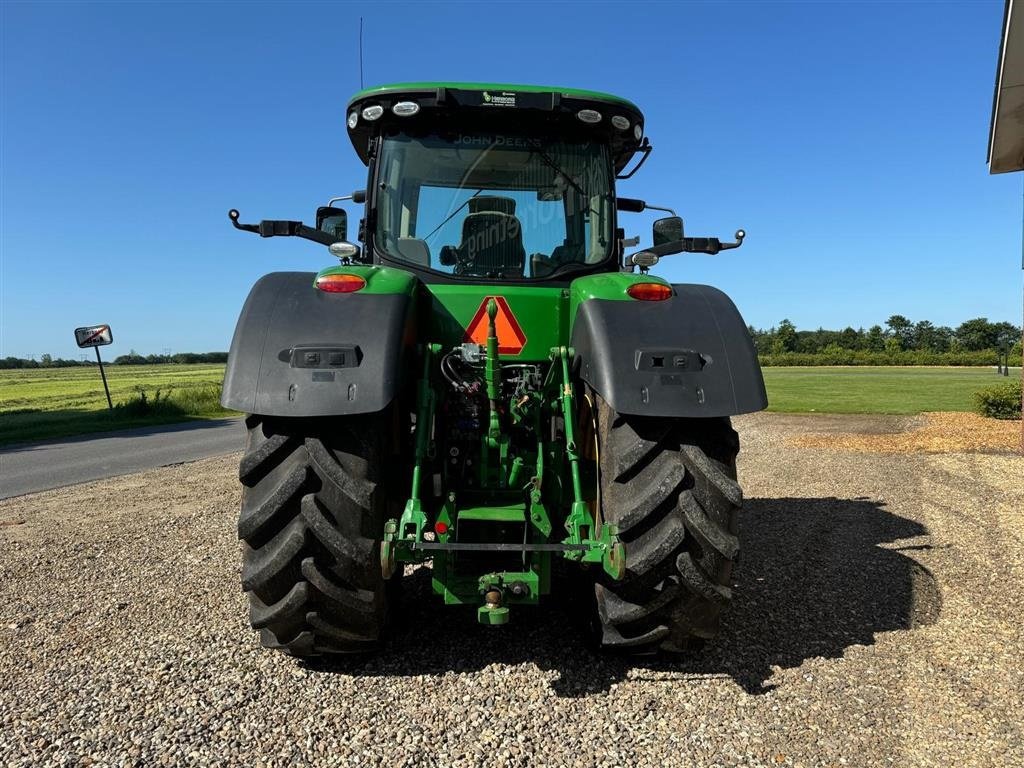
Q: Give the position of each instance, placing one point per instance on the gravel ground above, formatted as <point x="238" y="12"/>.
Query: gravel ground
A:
<point x="928" y="433"/>
<point x="877" y="621"/>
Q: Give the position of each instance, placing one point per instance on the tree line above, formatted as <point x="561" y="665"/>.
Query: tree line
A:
<point x="900" y="334"/>
<point x="132" y="358"/>
<point x="900" y="342"/>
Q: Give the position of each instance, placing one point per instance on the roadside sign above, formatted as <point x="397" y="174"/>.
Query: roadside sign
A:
<point x="96" y="336"/>
<point x="93" y="336"/>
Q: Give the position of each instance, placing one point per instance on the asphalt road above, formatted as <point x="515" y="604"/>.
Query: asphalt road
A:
<point x="55" y="463"/>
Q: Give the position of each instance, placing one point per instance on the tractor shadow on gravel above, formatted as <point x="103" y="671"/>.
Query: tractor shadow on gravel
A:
<point x="817" y="575"/>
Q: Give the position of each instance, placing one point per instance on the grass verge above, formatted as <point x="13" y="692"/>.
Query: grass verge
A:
<point x="51" y="403"/>
<point x="142" y="410"/>
<point x="896" y="390"/>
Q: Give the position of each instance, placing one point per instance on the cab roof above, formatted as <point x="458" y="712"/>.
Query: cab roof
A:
<point x="572" y="93"/>
<point x="489" y="106"/>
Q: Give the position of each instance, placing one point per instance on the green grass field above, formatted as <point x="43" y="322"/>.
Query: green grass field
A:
<point x="56" y="402"/>
<point x="876" y="390"/>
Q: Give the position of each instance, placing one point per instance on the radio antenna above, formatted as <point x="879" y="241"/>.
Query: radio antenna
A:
<point x="360" y="53"/>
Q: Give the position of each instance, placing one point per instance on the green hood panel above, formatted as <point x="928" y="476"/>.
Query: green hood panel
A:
<point x="541" y="314"/>
<point x="544" y="314"/>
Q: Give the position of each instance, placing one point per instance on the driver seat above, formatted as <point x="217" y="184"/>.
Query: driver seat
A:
<point x="492" y="239"/>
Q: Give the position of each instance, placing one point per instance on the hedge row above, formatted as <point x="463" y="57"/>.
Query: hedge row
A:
<point x="863" y="357"/>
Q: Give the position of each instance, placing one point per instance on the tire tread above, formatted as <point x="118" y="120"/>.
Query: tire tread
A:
<point x="671" y="489"/>
<point x="311" y="506"/>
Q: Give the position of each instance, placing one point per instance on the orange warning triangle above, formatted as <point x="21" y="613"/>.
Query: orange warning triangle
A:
<point x="511" y="338"/>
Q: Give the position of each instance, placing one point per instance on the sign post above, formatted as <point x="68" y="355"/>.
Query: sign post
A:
<point x="96" y="336"/>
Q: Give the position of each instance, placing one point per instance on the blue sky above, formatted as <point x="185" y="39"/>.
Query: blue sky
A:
<point x="847" y="139"/>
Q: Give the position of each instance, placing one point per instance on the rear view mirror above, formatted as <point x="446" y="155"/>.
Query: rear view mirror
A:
<point x="668" y="230"/>
<point x="333" y="221"/>
<point x="548" y="194"/>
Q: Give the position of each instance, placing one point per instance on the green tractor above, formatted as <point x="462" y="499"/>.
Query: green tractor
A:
<point x="489" y="383"/>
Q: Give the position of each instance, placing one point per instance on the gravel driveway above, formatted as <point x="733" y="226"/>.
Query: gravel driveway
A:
<point x="877" y="621"/>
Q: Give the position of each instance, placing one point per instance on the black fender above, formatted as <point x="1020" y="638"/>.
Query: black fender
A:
<point x="688" y="356"/>
<point x="301" y="352"/>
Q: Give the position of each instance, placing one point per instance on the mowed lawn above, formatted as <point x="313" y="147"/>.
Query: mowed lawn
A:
<point x="54" y="402"/>
<point x="895" y="389"/>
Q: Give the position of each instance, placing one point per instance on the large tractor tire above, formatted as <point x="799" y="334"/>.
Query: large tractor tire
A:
<point x="670" y="486"/>
<point x="314" y="503"/>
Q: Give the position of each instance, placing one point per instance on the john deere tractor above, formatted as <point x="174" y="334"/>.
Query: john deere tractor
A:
<point x="490" y="383"/>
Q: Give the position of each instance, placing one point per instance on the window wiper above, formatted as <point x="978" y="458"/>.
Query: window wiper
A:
<point x="561" y="171"/>
<point x="452" y="215"/>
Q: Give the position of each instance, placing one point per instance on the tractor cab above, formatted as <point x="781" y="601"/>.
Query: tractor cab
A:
<point x="496" y="183"/>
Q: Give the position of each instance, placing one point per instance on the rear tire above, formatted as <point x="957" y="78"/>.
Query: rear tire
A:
<point x="314" y="503"/>
<point x="670" y="486"/>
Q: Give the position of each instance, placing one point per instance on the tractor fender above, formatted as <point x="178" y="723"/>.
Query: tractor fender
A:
<point x="688" y="356"/>
<point x="298" y="351"/>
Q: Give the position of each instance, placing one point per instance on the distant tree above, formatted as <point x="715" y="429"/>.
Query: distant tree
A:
<point x="875" y="339"/>
<point x="1007" y="334"/>
<point x="924" y="336"/>
<point x="785" y="338"/>
<point x="132" y="358"/>
<point x="943" y="338"/>
<point x="54" y="362"/>
<point x="809" y="342"/>
<point x="45" y="360"/>
<point x="902" y="329"/>
<point x="851" y="339"/>
<point x="977" y="334"/>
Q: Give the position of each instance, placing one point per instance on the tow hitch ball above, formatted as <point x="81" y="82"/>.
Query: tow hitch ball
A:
<point x="492" y="611"/>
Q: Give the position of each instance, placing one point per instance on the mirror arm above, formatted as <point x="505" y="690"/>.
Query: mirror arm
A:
<point x="659" y="208"/>
<point x="730" y="246"/>
<point x="282" y="228"/>
<point x="740" y="234"/>
<point x="359" y="196"/>
<point x="632" y="205"/>
<point x="233" y="215"/>
<point x="710" y="245"/>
